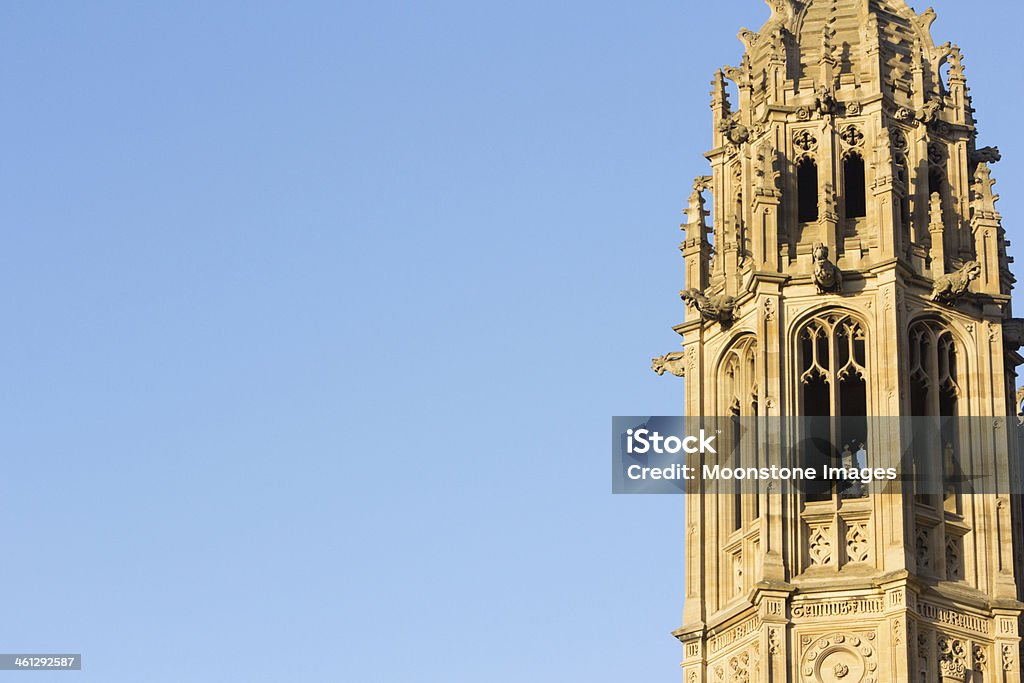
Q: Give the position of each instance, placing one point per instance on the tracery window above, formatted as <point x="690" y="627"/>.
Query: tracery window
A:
<point x="738" y="401"/>
<point x="833" y="398"/>
<point x="935" y="392"/>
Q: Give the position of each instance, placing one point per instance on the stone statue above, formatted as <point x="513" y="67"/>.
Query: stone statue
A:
<point x="672" y="363"/>
<point x="949" y="288"/>
<point x="824" y="100"/>
<point x="718" y="308"/>
<point x="826" y="275"/>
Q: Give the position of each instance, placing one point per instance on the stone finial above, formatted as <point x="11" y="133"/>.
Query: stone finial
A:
<point x="935" y="223"/>
<point x="949" y="288"/>
<point x="767" y="173"/>
<point x="983" y="199"/>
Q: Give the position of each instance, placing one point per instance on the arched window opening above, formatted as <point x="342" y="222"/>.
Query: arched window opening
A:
<point x="738" y="401"/>
<point x="854" y="186"/>
<point x="807" y="190"/>
<point x="936" y="179"/>
<point x="834" y="399"/>
<point x="903" y="196"/>
<point x="935" y="393"/>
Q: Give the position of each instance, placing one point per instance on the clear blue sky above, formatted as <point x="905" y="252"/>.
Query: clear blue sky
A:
<point x="315" y="314"/>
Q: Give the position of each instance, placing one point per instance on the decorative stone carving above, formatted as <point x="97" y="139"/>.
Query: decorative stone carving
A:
<point x="952" y="657"/>
<point x="673" y="363"/>
<point x="836" y="608"/>
<point x="740" y="668"/>
<point x="980" y="657"/>
<point x="824" y="100"/>
<point x="949" y="288"/>
<point x="819" y="544"/>
<point x="922" y="544"/>
<point x="935" y="222"/>
<point x="903" y="114"/>
<point x="717" y="308"/>
<point x="858" y="542"/>
<point x="766" y="171"/>
<point x="930" y="112"/>
<point x="840" y="657"/>
<point x="735" y="132"/>
<point x="852" y="136"/>
<point x="988" y="155"/>
<point x="826" y="275"/>
<point x="922" y="655"/>
<point x="899" y="140"/>
<point x="805" y="140"/>
<point x="954" y="558"/>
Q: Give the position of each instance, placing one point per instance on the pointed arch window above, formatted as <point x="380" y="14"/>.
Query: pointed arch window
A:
<point x="834" y="398"/>
<point x="738" y="401"/>
<point x="935" y="392"/>
<point x="855" y="194"/>
<point x="807" y="190"/>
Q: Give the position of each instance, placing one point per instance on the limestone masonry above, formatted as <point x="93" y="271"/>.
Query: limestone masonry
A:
<point x="844" y="259"/>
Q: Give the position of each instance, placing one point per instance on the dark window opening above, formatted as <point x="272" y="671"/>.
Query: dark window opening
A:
<point x="918" y="399"/>
<point x="936" y="180"/>
<point x="807" y="191"/>
<point x="737" y="498"/>
<point x="816" y="449"/>
<point x="854" y="185"/>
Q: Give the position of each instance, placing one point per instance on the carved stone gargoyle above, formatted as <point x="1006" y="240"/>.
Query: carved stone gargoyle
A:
<point x="989" y="155"/>
<point x="1013" y="333"/>
<point x="826" y="274"/>
<point x="734" y="131"/>
<point x="930" y="112"/>
<point x="672" y="363"/>
<point x="949" y="288"/>
<point x="719" y="308"/>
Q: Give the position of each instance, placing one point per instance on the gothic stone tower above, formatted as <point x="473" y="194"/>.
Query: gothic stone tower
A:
<point x="854" y="264"/>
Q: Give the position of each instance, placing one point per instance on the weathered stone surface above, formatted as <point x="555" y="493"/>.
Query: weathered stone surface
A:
<point x="817" y="290"/>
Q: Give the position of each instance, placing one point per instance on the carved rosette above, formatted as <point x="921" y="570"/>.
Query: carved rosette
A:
<point x="952" y="657"/>
<point x="841" y="658"/>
